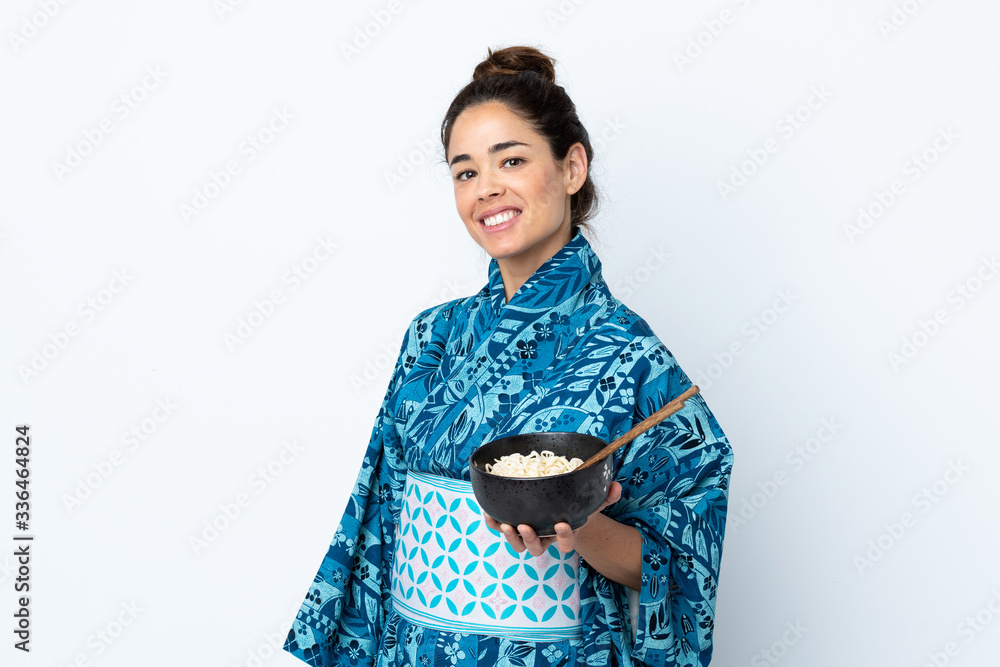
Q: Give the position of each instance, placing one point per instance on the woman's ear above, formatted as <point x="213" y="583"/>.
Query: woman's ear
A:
<point x="576" y="164"/>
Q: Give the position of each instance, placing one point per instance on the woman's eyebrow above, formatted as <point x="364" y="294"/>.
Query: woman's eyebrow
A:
<point x="495" y="148"/>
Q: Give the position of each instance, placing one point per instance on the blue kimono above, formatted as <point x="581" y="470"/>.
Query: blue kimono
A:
<point x="562" y="355"/>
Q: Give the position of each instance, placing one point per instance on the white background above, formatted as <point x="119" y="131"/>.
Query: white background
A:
<point x="818" y="544"/>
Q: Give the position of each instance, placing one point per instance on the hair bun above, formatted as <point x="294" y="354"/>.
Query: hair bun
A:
<point x="514" y="60"/>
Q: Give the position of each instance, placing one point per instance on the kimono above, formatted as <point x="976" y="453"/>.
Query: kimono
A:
<point x="562" y="355"/>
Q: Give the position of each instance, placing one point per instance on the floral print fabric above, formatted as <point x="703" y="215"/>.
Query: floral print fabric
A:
<point x="563" y="355"/>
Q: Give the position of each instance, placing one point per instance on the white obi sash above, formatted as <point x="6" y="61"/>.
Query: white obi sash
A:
<point x="452" y="572"/>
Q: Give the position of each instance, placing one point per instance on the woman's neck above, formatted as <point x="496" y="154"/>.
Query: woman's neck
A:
<point x="516" y="270"/>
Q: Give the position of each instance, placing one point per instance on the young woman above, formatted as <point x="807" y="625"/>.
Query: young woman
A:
<point x="416" y="574"/>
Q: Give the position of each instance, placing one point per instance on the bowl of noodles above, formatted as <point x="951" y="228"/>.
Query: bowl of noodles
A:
<point x="531" y="478"/>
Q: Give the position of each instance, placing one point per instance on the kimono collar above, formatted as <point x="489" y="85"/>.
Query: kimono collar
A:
<point x="560" y="278"/>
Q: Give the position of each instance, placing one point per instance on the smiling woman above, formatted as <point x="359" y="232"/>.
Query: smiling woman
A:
<point x="511" y="194"/>
<point x="417" y="573"/>
<point x="520" y="159"/>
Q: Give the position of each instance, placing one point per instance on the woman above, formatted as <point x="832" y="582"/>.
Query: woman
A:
<point x="543" y="346"/>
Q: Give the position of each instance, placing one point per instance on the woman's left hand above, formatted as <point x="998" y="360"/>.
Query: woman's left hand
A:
<point x="525" y="538"/>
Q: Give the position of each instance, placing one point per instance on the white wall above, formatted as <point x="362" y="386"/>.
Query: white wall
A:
<point x="841" y="545"/>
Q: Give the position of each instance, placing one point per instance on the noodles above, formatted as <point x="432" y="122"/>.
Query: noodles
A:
<point x="532" y="465"/>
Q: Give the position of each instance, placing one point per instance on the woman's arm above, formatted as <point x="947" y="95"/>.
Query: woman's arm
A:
<point x="610" y="547"/>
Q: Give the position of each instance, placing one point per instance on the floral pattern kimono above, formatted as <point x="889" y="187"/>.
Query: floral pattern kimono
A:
<point x="562" y="355"/>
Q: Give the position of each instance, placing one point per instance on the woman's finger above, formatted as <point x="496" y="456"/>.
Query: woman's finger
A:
<point x="531" y="540"/>
<point x="565" y="538"/>
<point x="614" y="495"/>
<point x="513" y="538"/>
<point x="491" y="522"/>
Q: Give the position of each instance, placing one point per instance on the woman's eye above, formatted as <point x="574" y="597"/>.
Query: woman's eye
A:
<point x="512" y="161"/>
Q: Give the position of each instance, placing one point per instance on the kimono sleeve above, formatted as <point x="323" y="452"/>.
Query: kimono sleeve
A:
<point x="675" y="481"/>
<point x="341" y="619"/>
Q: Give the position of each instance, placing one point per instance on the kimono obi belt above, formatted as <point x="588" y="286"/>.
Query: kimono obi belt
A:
<point x="453" y="573"/>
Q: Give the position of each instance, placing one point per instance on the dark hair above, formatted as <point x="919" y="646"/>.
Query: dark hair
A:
<point x="523" y="79"/>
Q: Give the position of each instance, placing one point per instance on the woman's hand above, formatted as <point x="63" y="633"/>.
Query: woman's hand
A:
<point x="525" y="538"/>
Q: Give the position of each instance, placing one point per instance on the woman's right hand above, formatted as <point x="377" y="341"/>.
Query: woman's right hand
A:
<point x="524" y="536"/>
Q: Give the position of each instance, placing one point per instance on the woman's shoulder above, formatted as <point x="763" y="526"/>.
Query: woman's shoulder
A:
<point x="659" y="377"/>
<point x="445" y="312"/>
<point x="620" y="323"/>
<point x="438" y="321"/>
<point x="641" y="353"/>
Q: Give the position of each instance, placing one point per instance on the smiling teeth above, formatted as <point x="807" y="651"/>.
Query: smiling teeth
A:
<point x="500" y="218"/>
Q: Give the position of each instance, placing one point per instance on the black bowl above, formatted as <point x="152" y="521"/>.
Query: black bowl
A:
<point x="541" y="502"/>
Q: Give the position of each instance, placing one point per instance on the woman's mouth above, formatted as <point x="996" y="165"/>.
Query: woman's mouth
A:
<point x="501" y="221"/>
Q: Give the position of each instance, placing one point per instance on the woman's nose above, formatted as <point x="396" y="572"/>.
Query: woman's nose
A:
<point x="489" y="184"/>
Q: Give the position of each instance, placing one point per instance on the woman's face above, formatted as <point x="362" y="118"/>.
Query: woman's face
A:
<point x="501" y="167"/>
